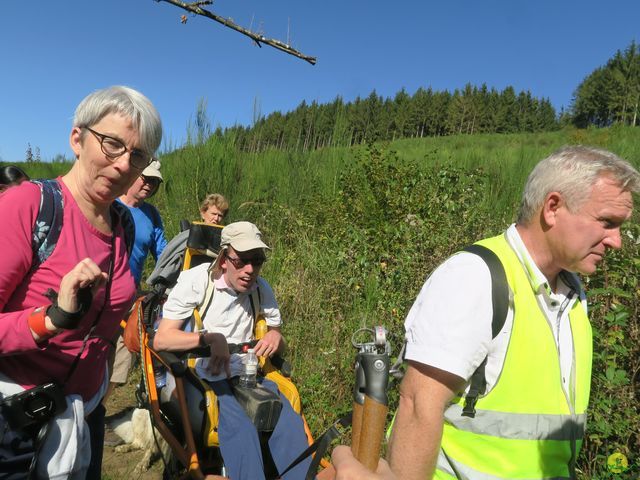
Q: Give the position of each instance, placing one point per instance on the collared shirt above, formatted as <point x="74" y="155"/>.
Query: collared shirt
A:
<point x="230" y="312"/>
<point x="449" y="324"/>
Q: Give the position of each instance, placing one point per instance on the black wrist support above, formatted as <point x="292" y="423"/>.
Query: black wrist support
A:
<point x="66" y="320"/>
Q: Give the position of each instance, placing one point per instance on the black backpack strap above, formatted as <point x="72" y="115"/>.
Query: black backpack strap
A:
<point x="128" y="225"/>
<point x="184" y="224"/>
<point x="255" y="299"/>
<point x="500" y="303"/>
<point x="48" y="224"/>
<point x="320" y="446"/>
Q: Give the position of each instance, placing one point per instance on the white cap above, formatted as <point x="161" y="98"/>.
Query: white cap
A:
<point x="153" y="170"/>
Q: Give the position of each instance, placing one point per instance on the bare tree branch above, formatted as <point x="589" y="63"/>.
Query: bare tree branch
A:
<point x="196" y="8"/>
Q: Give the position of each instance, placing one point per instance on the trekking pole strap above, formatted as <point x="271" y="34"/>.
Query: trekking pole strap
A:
<point x="320" y="446"/>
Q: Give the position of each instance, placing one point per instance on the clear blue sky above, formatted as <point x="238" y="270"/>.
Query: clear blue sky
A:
<point x="53" y="53"/>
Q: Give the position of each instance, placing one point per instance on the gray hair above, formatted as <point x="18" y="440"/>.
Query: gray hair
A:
<point x="127" y="102"/>
<point x="572" y="171"/>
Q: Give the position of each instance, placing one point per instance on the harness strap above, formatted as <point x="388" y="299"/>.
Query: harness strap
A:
<point x="320" y="446"/>
<point x="206" y="301"/>
<point x="256" y="300"/>
<point x="255" y="297"/>
<point x="500" y="304"/>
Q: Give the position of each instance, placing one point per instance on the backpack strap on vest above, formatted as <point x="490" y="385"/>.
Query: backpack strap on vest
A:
<point x="500" y="303"/>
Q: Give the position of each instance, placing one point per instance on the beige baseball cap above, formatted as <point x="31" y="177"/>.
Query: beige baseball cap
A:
<point x="153" y="170"/>
<point x="242" y="236"/>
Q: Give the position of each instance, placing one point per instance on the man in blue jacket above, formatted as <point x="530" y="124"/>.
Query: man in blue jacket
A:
<point x="149" y="239"/>
<point x="149" y="228"/>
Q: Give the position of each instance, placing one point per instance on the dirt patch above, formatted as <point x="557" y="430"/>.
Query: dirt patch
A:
<point x="116" y="465"/>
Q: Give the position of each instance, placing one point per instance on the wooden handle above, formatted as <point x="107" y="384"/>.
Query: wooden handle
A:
<point x="356" y="427"/>
<point x="374" y="418"/>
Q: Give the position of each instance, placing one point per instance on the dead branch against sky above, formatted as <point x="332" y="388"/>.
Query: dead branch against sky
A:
<point x="196" y="8"/>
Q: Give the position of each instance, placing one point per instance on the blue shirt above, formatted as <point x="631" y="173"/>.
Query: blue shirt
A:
<point x="149" y="237"/>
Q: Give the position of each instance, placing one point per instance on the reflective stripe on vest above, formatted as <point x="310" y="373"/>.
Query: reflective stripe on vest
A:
<point x="526" y="427"/>
<point x="523" y="426"/>
<point x="449" y="469"/>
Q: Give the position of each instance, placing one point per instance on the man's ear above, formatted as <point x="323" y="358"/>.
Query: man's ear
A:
<point x="553" y="202"/>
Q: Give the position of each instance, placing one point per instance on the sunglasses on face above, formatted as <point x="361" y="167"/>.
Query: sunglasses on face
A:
<point x="153" y="181"/>
<point x="239" y="263"/>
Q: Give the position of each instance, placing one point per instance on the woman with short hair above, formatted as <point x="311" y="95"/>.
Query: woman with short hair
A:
<point x="214" y="209"/>
<point x="61" y="306"/>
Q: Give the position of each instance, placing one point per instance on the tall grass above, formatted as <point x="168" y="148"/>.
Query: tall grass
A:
<point x="356" y="231"/>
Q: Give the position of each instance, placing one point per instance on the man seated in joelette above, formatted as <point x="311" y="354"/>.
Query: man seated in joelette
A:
<point x="229" y="319"/>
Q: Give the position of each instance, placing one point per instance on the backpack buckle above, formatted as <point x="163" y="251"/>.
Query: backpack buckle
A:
<point x="469" y="409"/>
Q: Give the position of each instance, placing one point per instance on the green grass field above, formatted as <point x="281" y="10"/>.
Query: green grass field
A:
<point x="355" y="232"/>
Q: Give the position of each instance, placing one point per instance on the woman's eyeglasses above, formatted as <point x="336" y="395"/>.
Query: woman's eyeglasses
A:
<point x="114" y="148"/>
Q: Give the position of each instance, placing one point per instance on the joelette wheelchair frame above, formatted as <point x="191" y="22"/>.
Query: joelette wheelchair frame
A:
<point x="187" y="415"/>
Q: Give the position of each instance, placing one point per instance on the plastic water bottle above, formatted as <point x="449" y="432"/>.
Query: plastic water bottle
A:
<point x="249" y="370"/>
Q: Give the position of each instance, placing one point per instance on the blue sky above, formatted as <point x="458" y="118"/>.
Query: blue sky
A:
<point x="53" y="53"/>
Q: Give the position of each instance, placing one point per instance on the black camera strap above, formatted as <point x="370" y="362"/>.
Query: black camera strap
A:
<point x="38" y="441"/>
<point x="107" y="296"/>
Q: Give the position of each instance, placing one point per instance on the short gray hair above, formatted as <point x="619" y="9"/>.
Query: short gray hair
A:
<point x="572" y="171"/>
<point x="127" y="102"/>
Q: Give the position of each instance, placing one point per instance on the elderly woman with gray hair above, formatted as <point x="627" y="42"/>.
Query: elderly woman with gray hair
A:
<point x="62" y="298"/>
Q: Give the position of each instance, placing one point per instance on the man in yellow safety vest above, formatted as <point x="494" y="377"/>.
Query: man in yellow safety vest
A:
<point x="510" y="403"/>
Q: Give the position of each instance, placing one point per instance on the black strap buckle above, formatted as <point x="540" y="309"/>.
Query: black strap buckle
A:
<point x="469" y="409"/>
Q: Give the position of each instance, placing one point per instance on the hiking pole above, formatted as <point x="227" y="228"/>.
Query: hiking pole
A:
<point x="358" y="406"/>
<point x="370" y="396"/>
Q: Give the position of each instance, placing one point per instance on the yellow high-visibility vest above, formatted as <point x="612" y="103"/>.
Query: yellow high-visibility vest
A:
<point x="526" y="427"/>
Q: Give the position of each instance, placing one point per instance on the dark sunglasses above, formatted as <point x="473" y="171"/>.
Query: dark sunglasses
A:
<point x="153" y="181"/>
<point x="239" y="263"/>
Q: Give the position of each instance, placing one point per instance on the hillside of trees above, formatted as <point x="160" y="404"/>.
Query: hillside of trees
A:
<point x="426" y="113"/>
<point x="610" y="94"/>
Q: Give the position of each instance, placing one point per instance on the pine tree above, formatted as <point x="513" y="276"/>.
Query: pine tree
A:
<point x="611" y="93"/>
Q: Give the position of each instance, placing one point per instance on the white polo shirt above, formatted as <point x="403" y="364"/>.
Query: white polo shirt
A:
<point x="230" y="312"/>
<point x="449" y="324"/>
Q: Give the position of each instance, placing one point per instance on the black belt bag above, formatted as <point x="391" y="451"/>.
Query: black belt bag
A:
<point x="34" y="406"/>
